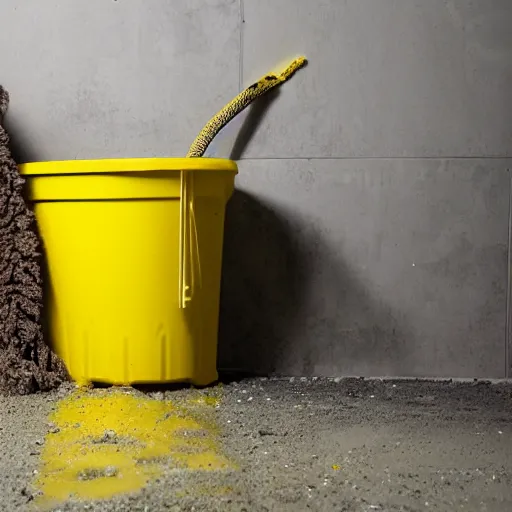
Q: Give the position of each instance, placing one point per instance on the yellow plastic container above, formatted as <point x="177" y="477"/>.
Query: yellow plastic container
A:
<point x="134" y="251"/>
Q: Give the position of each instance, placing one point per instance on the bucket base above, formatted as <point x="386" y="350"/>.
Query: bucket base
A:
<point x="156" y="385"/>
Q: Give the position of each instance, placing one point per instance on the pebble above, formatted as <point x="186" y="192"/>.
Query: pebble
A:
<point x="110" y="471"/>
<point x="109" y="434"/>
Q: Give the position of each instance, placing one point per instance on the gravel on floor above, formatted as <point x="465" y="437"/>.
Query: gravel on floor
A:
<point x="312" y="444"/>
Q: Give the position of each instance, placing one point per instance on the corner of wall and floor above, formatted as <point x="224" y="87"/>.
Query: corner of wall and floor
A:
<point x="370" y="230"/>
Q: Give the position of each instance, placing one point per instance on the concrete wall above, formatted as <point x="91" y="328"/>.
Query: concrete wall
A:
<point x="370" y="231"/>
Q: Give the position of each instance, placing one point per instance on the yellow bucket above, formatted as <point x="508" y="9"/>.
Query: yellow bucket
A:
<point x="134" y="252"/>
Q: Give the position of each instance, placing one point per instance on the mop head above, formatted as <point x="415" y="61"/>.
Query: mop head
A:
<point x="26" y="362"/>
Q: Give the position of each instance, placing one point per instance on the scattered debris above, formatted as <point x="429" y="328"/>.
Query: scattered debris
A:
<point x="92" y="474"/>
<point x="110" y="471"/>
<point x="53" y="429"/>
<point x="109" y="436"/>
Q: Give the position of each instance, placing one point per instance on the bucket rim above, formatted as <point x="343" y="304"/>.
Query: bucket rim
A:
<point x="126" y="165"/>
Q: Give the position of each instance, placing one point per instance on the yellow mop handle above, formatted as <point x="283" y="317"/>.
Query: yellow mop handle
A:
<point x="236" y="105"/>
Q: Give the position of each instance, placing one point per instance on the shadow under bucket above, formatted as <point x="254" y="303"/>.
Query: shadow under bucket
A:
<point x="134" y="256"/>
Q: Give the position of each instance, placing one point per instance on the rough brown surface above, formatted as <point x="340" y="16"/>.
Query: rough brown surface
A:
<point x="26" y="363"/>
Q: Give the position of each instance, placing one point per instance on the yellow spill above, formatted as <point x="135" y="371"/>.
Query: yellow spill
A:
<point x="335" y="467"/>
<point x="110" y="442"/>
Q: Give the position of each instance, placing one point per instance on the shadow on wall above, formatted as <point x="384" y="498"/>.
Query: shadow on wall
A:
<point x="21" y="150"/>
<point x="291" y="306"/>
<point x="264" y="286"/>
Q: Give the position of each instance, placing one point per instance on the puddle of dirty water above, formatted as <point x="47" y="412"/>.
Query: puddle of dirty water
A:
<point x="102" y="443"/>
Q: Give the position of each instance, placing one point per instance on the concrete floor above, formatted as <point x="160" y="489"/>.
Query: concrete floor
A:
<point x="304" y="444"/>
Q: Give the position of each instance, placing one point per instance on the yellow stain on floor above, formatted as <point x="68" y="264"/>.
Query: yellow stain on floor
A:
<point x="108" y="442"/>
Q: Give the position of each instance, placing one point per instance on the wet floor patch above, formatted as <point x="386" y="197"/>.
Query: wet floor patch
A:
<point x="103" y="443"/>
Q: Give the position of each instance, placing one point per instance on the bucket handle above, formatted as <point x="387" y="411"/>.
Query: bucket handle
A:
<point x="188" y="242"/>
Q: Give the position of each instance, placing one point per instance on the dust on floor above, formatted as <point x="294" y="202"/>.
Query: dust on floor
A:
<point x="289" y="445"/>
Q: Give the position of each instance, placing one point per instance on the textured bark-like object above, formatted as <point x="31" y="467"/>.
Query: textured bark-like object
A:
<point x="26" y="363"/>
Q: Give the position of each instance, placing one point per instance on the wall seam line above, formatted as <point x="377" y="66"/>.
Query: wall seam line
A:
<point x="241" y="59"/>
<point x="509" y="284"/>
<point x="469" y="158"/>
